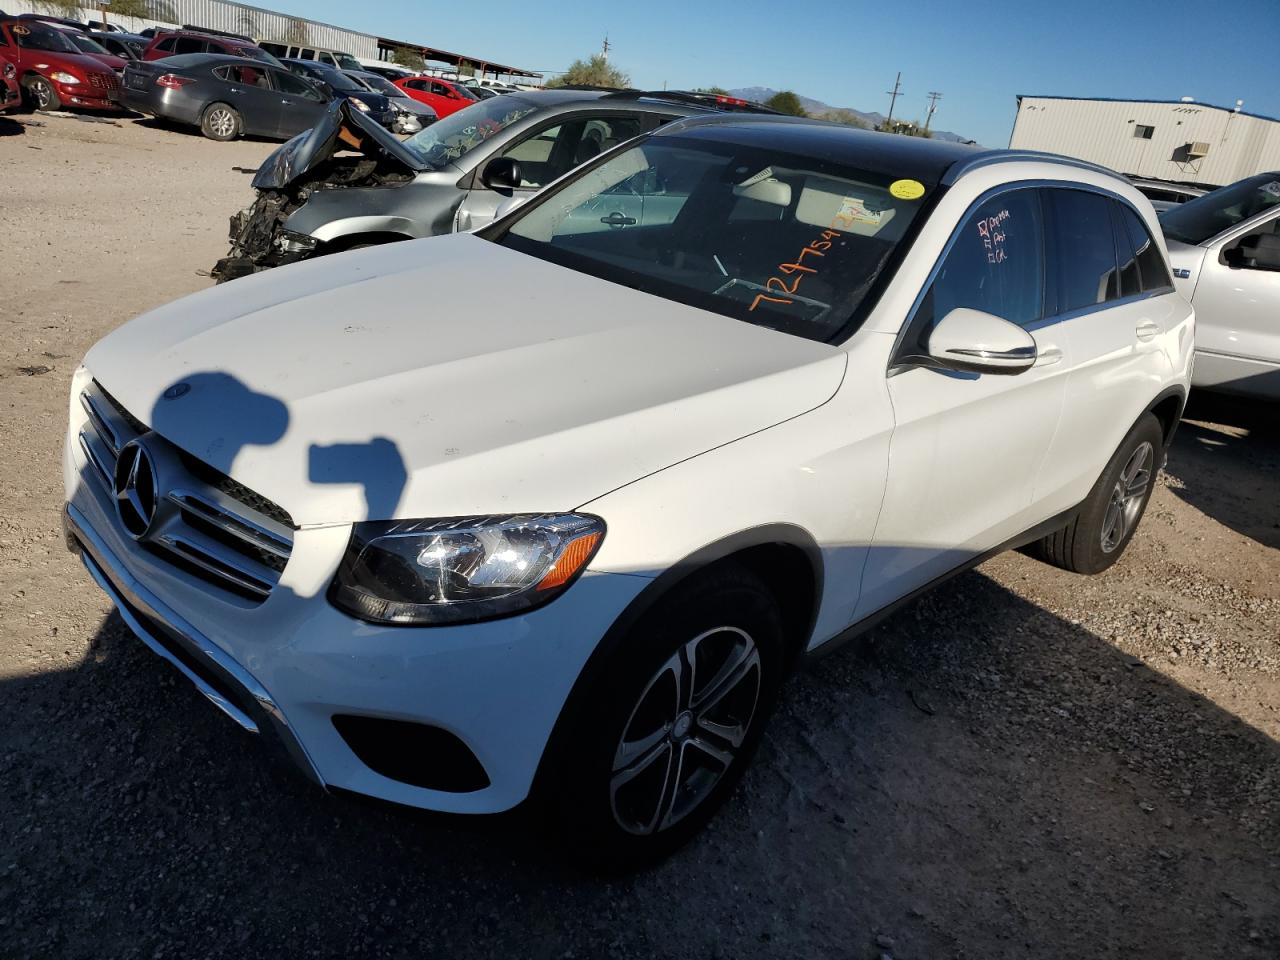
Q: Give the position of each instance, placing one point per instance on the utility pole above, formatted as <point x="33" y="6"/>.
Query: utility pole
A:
<point x="604" y="50"/>
<point x="934" y="97"/>
<point x="893" y="94"/>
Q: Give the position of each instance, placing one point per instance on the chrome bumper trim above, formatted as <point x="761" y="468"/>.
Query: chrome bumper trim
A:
<point x="128" y="594"/>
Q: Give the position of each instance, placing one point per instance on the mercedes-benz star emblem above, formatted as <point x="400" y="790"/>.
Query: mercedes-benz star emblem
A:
<point x="136" y="489"/>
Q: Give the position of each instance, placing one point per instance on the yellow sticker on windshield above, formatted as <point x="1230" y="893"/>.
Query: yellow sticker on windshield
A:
<point x="907" y="189"/>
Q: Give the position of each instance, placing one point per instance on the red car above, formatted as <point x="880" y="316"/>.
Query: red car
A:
<point x="188" y="41"/>
<point x="53" y="71"/>
<point x="10" y="92"/>
<point x="444" y="96"/>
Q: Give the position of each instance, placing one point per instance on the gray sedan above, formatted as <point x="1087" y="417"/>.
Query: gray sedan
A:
<point x="226" y="97"/>
<point x="452" y="176"/>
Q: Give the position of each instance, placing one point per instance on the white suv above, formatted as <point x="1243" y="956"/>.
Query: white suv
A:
<point x="550" y="511"/>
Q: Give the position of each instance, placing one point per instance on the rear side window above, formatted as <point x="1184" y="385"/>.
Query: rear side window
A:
<point x="995" y="264"/>
<point x="191" y="45"/>
<point x="248" y="76"/>
<point x="1081" y="249"/>
<point x="1133" y="239"/>
<point x="166" y="45"/>
<point x="306" y="54"/>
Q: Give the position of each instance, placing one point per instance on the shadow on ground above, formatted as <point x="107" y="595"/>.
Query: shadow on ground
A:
<point x="11" y="128"/>
<point x="978" y="778"/>
<point x="1227" y="456"/>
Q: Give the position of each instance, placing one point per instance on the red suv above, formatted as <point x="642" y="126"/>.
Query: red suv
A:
<point x="187" y="41"/>
<point x="444" y="96"/>
<point x="52" y="69"/>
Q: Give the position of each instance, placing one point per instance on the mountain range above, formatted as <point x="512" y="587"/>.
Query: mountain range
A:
<point x="817" y="107"/>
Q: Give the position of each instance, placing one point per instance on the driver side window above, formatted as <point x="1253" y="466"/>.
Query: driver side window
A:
<point x="555" y="151"/>
<point x="995" y="264"/>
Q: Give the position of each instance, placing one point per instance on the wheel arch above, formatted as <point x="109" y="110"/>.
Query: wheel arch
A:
<point x="783" y="555"/>
<point x="346" y="241"/>
<point x="1167" y="408"/>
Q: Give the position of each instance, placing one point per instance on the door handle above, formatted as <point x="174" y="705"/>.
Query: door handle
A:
<point x="618" y="220"/>
<point x="1147" y="330"/>
<point x="1047" y="357"/>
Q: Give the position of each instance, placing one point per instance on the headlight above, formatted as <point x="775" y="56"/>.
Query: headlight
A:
<point x="463" y="569"/>
<point x="61" y="76"/>
<point x="359" y="104"/>
<point x="290" y="243"/>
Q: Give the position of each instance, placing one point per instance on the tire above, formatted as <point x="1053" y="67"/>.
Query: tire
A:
<point x="650" y="716"/>
<point x="1099" y="533"/>
<point x="41" y="94"/>
<point x="221" y="122"/>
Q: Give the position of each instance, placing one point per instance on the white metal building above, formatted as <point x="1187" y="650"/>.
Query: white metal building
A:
<point x="1175" y="140"/>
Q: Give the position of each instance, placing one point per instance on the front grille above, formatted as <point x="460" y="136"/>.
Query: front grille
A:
<point x="205" y="523"/>
<point x="104" y="81"/>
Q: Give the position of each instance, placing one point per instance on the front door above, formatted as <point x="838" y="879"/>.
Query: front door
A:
<point x="967" y="448"/>
<point x="1238" y="308"/>
<point x="301" y="104"/>
<point x="250" y="92"/>
<point x="547" y="153"/>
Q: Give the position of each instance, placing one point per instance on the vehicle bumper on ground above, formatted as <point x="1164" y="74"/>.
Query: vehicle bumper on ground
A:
<point x="286" y="667"/>
<point x="1241" y="375"/>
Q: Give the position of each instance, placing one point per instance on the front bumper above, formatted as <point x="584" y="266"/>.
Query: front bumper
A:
<point x="287" y="666"/>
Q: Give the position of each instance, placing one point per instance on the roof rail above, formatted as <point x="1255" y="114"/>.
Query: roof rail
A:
<point x="209" y="31"/>
<point x="961" y="167"/>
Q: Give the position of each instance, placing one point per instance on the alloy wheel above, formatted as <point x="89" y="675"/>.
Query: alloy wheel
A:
<point x="221" y="122"/>
<point x="1127" y="497"/>
<point x="42" y="94"/>
<point x="685" y="731"/>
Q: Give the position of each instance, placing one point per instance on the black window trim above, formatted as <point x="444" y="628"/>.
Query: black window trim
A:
<point x="900" y="356"/>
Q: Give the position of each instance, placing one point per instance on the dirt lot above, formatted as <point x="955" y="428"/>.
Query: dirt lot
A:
<point x="1025" y="764"/>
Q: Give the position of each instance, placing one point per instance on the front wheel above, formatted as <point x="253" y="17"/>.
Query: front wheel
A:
<point x="220" y="121"/>
<point x="1099" y="533"/>
<point x="673" y="723"/>
<point x="41" y="94"/>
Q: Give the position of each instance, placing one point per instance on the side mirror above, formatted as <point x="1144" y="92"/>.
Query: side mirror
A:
<point x="978" y="342"/>
<point x="1258" y="252"/>
<point x="501" y="173"/>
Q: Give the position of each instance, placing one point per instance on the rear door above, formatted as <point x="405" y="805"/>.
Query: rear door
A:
<point x="550" y="150"/>
<point x="1112" y="296"/>
<point x="967" y="448"/>
<point x="301" y="103"/>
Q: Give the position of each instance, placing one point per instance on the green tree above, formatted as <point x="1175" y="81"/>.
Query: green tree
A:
<point x="786" y="102"/>
<point x="906" y="128"/>
<point x="129" y="8"/>
<point x="847" y="117"/>
<point x="466" y="68"/>
<point x="408" y="57"/>
<point x="59" y="8"/>
<point x="596" y="72"/>
<point x="716" y="91"/>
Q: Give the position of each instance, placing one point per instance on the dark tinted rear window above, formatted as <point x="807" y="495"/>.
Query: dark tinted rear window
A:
<point x="1151" y="266"/>
<point x="1081" y="251"/>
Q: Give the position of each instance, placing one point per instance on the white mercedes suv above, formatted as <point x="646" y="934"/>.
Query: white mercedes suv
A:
<point x="546" y="514"/>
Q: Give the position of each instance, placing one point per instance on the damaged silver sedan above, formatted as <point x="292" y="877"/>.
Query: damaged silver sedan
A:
<point x="348" y="183"/>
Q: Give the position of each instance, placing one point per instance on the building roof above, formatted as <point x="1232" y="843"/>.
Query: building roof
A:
<point x="1176" y="103"/>
<point x="446" y="56"/>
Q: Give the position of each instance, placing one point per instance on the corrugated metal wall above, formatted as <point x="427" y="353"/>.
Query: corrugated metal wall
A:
<point x="1102" y="131"/>
<point x="233" y="18"/>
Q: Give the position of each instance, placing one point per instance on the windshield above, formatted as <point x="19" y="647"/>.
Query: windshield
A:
<point x="346" y="61"/>
<point x="256" y="53"/>
<point x="1205" y="217"/>
<point x="787" y="242"/>
<point x="459" y="133"/>
<point x="380" y="85"/>
<point x="35" y="37"/>
<point x="86" y="44"/>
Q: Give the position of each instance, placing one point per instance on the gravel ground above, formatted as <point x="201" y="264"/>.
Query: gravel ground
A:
<point x="1024" y="764"/>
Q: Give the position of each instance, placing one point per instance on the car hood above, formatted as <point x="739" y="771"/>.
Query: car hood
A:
<point x="449" y="377"/>
<point x="1186" y="260"/>
<point x="55" y="60"/>
<point x="294" y="159"/>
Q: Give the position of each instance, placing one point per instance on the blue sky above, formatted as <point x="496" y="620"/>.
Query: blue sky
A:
<point x="846" y="52"/>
